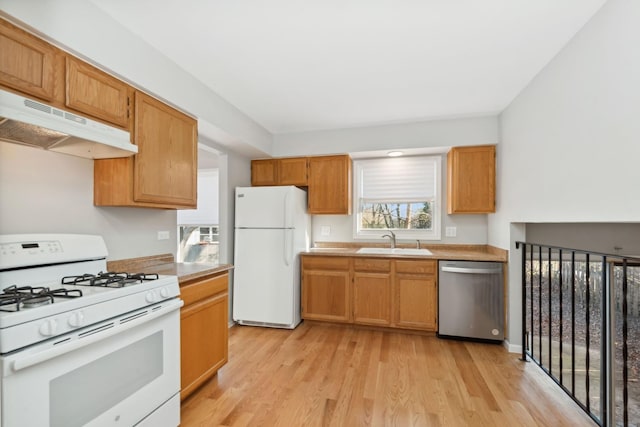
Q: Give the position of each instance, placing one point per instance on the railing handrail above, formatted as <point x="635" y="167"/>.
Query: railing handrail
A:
<point x="581" y="251"/>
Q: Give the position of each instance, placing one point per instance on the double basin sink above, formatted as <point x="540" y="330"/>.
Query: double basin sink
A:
<point x="394" y="251"/>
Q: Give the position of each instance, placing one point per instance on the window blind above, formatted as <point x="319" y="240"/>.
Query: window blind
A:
<point x="406" y="179"/>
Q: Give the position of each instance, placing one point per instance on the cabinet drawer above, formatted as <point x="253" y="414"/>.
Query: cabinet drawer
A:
<point x="325" y="263"/>
<point x="197" y="291"/>
<point x="372" y="264"/>
<point x="415" y="266"/>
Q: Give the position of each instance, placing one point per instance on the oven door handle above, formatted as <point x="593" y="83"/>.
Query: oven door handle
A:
<point x="43" y="356"/>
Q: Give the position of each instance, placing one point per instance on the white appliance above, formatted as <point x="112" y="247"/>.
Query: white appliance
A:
<point x="28" y="122"/>
<point x="82" y="346"/>
<point x="271" y="229"/>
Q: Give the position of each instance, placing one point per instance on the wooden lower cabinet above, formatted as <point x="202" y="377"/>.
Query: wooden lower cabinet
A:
<point x="204" y="331"/>
<point x="326" y="285"/>
<point x="372" y="298"/>
<point x="371" y="291"/>
<point x="415" y="302"/>
<point x="415" y="299"/>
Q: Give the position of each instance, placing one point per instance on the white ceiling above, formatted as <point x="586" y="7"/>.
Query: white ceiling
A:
<point x="300" y="65"/>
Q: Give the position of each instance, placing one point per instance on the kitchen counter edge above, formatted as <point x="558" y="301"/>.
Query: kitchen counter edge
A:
<point x="441" y="253"/>
<point x="164" y="264"/>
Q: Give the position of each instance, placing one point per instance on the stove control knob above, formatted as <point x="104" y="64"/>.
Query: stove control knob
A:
<point x="76" y="319"/>
<point x="151" y="296"/>
<point x="49" y="327"/>
<point x="164" y="293"/>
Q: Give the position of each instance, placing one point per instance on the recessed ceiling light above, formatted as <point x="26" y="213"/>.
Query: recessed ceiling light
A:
<point x="394" y="153"/>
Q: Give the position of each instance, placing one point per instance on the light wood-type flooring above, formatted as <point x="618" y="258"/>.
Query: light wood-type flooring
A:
<point x="326" y="375"/>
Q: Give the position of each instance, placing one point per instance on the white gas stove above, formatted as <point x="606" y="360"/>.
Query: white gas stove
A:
<point x="60" y="309"/>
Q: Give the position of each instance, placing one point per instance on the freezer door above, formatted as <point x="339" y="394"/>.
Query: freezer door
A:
<point x="268" y="207"/>
<point x="266" y="285"/>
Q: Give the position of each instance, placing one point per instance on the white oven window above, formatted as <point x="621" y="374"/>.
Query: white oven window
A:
<point x="82" y="394"/>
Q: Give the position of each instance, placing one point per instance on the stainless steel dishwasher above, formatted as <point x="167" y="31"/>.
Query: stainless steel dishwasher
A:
<point x="471" y="300"/>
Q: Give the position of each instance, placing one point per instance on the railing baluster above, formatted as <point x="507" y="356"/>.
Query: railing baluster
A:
<point x="560" y="276"/>
<point x="573" y="323"/>
<point x="540" y="302"/>
<point x="625" y="348"/>
<point x="604" y="346"/>
<point x="550" y="315"/>
<point x="524" y="301"/>
<point x="531" y="302"/>
<point x="588" y="336"/>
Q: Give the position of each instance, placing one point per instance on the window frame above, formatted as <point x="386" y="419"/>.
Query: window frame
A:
<point x="401" y="234"/>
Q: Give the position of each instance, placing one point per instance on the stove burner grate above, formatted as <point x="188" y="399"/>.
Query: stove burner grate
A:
<point x="108" y="279"/>
<point x="15" y="298"/>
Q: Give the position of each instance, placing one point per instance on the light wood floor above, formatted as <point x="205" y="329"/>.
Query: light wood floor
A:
<point x="319" y="375"/>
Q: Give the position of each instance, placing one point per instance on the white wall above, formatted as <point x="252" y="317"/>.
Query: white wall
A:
<point x="619" y="238"/>
<point x="434" y="133"/>
<point x="207" y="211"/>
<point x="570" y="141"/>
<point x="46" y="192"/>
<point x="82" y="28"/>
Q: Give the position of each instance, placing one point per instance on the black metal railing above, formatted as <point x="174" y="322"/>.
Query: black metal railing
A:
<point x="581" y="325"/>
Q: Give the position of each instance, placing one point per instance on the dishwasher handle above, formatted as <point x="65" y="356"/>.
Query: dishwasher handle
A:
<point x="467" y="270"/>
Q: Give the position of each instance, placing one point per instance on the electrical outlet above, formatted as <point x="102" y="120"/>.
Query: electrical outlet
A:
<point x="163" y="235"/>
<point x="450" y="231"/>
<point x="325" y="231"/>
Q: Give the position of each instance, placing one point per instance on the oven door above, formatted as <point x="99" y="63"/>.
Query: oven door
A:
<point x="119" y="372"/>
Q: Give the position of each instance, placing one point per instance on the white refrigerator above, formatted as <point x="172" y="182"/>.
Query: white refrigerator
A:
<point x="271" y="229"/>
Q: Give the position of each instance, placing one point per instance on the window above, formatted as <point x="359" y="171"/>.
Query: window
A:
<point x="399" y="194"/>
<point x="198" y="243"/>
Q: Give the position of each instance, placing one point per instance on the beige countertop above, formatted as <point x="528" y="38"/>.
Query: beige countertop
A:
<point x="438" y="252"/>
<point x="164" y="264"/>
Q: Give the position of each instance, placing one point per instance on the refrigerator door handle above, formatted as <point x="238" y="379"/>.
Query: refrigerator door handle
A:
<point x="287" y="210"/>
<point x="288" y="246"/>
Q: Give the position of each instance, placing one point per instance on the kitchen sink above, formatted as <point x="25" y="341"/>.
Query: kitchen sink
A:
<point x="394" y="251"/>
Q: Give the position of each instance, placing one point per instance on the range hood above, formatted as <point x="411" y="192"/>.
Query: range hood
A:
<point x="28" y="122"/>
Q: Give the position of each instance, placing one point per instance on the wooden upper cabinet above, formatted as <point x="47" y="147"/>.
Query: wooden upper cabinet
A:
<point x="165" y="168"/>
<point x="287" y="171"/>
<point x="96" y="93"/>
<point x="293" y="171"/>
<point x="264" y="172"/>
<point x="164" y="172"/>
<point x="28" y="64"/>
<point x="330" y="185"/>
<point x="471" y="179"/>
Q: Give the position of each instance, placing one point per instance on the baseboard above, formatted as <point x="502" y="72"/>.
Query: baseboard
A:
<point x="512" y="348"/>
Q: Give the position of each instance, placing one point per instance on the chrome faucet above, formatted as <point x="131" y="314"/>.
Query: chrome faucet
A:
<point x="417" y="243"/>
<point x="392" y="237"/>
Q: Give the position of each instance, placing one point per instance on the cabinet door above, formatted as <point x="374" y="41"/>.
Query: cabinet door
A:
<point x="204" y="338"/>
<point x="26" y="62"/>
<point x="165" y="168"/>
<point x="471" y="183"/>
<point x="325" y="295"/>
<point x="96" y="94"/>
<point x="292" y="171"/>
<point x="264" y="172"/>
<point x="372" y="298"/>
<point x="415" y="301"/>
<point x="330" y="185"/>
